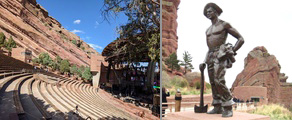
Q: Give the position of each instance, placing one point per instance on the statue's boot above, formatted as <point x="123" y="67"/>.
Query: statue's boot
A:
<point x="216" y="110"/>
<point x="227" y="112"/>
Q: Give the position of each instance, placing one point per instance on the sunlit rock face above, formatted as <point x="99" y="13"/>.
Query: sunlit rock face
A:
<point x="169" y="27"/>
<point x="32" y="28"/>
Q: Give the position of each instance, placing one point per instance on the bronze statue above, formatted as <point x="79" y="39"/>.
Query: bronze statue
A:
<point x="220" y="57"/>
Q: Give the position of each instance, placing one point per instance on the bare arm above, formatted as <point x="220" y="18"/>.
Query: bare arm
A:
<point x="235" y="34"/>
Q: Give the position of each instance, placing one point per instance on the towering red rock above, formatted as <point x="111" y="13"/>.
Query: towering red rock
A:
<point x="263" y="69"/>
<point x="169" y="26"/>
<point x="32" y="28"/>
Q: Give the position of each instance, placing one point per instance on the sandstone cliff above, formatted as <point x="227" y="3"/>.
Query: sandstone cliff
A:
<point x="263" y="69"/>
<point x="31" y="27"/>
<point x="169" y="26"/>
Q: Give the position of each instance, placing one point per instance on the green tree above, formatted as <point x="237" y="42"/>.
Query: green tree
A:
<point x="55" y="65"/>
<point x="172" y="62"/>
<point x="187" y="59"/>
<point x="80" y="70"/>
<point x="35" y="60"/>
<point x="10" y="44"/>
<point x="86" y="74"/>
<point x="143" y="27"/>
<point x="64" y="66"/>
<point x="58" y="59"/>
<point x="74" y="70"/>
<point x="2" y="40"/>
<point x="44" y="59"/>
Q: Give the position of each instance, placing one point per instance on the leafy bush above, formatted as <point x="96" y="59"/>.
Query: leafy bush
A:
<point x="44" y="59"/>
<point x="35" y="60"/>
<point x="54" y="65"/>
<point x="74" y="70"/>
<point x="276" y="112"/>
<point x="10" y="44"/>
<point x="86" y="74"/>
<point x="2" y="39"/>
<point x="179" y="82"/>
<point x="64" y="66"/>
<point x="197" y="85"/>
<point x="80" y="71"/>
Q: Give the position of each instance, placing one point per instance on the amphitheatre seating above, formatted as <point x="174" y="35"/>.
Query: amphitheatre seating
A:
<point x="14" y="63"/>
<point x="25" y="97"/>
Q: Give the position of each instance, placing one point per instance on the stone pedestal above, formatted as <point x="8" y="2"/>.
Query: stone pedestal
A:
<point x="191" y="115"/>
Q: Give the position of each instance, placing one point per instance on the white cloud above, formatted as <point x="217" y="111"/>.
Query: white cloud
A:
<point x="76" y="31"/>
<point x="260" y="25"/>
<point x="77" y="22"/>
<point x="94" y="46"/>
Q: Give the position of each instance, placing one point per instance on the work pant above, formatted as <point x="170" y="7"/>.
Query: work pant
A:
<point x="221" y="94"/>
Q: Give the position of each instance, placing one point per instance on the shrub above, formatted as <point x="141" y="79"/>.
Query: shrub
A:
<point x="44" y="59"/>
<point x="86" y="74"/>
<point x="74" y="42"/>
<point x="80" y="71"/>
<point x="54" y="65"/>
<point x="35" y="60"/>
<point x="197" y="85"/>
<point x="74" y="70"/>
<point x="2" y="39"/>
<point x="64" y="66"/>
<point x="10" y="44"/>
<point x="276" y="112"/>
<point x="179" y="82"/>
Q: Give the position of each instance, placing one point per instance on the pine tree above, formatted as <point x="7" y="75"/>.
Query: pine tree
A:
<point x="187" y="61"/>
<point x="172" y="62"/>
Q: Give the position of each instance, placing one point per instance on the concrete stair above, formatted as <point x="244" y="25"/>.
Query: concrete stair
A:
<point x="10" y="104"/>
<point x="26" y="98"/>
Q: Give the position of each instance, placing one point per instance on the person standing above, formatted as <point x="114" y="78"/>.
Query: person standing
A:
<point x="164" y="100"/>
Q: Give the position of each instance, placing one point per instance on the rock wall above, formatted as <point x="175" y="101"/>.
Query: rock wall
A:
<point x="169" y="26"/>
<point x="263" y="69"/>
<point x="32" y="28"/>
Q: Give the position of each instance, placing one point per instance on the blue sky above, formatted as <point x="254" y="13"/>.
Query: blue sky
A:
<point x="85" y="19"/>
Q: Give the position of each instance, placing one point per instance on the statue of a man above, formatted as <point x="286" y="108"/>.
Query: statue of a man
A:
<point x="220" y="57"/>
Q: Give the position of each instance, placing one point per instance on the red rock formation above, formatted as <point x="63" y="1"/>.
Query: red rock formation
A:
<point x="32" y="28"/>
<point x="169" y="26"/>
<point x="194" y="77"/>
<point x="263" y="69"/>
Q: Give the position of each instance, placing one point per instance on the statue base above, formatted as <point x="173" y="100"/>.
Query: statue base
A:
<point x="191" y="115"/>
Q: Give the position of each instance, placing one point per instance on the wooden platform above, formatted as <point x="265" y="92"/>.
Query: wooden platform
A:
<point x="190" y="115"/>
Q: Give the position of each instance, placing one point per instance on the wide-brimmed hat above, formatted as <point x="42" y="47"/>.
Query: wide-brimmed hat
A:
<point x="213" y="5"/>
